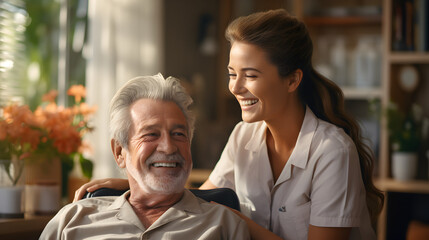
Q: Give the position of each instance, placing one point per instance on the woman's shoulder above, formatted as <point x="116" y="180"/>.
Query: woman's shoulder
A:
<point x="332" y="136"/>
<point x="244" y="131"/>
<point x="248" y="128"/>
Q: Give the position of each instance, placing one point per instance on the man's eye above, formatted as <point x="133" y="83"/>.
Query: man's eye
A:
<point x="251" y="76"/>
<point x="232" y="75"/>
<point x="180" y="135"/>
<point x="150" y="136"/>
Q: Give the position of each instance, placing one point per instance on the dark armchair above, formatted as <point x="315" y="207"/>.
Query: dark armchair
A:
<point x="224" y="196"/>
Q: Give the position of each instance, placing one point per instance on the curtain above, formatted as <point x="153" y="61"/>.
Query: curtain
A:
<point x="125" y="40"/>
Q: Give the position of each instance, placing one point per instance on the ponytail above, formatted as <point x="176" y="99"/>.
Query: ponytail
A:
<point x="326" y="100"/>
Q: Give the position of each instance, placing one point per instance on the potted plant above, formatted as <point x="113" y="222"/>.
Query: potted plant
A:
<point x="407" y="131"/>
<point x="50" y="140"/>
<point x="60" y="149"/>
<point x="17" y="138"/>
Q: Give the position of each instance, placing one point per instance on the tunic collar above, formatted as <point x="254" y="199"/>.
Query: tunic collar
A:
<point x="300" y="154"/>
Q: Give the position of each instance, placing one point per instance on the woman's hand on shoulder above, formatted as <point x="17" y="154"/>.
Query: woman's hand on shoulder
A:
<point x="321" y="233"/>
<point x="115" y="183"/>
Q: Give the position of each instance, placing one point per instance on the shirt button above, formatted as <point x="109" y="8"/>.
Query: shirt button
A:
<point x="282" y="209"/>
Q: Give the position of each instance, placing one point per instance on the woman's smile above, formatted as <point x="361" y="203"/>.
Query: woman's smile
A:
<point x="247" y="103"/>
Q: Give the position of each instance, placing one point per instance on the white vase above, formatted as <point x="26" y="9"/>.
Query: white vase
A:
<point x="11" y="188"/>
<point x="404" y="165"/>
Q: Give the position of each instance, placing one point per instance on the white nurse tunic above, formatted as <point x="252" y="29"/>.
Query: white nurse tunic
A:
<point x="321" y="183"/>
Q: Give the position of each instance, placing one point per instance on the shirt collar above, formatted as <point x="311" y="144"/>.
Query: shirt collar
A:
<point x="257" y="141"/>
<point x="301" y="152"/>
<point x="298" y="158"/>
<point x="126" y="211"/>
<point x="188" y="204"/>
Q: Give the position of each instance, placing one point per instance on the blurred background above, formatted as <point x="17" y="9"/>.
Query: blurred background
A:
<point x="377" y="51"/>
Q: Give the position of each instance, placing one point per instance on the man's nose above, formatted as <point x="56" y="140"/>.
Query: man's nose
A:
<point x="166" y="145"/>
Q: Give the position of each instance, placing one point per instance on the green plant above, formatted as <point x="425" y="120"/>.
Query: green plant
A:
<point x="13" y="168"/>
<point x="407" y="130"/>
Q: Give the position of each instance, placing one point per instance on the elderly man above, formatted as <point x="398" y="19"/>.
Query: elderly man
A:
<point x="151" y="130"/>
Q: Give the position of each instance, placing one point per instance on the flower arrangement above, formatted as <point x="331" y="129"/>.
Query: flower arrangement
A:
<point x="406" y="130"/>
<point x="50" y="130"/>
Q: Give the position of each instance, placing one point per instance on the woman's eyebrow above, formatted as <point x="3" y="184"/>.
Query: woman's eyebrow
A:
<point x="250" y="69"/>
<point x="246" y="69"/>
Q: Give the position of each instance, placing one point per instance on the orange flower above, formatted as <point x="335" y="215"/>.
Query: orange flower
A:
<point x="50" y="129"/>
<point x="19" y="124"/>
<point x="78" y="91"/>
<point x="85" y="109"/>
<point x="50" y="96"/>
<point x="3" y="130"/>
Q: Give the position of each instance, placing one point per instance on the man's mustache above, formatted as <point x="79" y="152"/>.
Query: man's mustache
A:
<point x="161" y="157"/>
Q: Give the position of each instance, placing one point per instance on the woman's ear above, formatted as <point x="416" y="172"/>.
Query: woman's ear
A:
<point x="118" y="153"/>
<point x="294" y="80"/>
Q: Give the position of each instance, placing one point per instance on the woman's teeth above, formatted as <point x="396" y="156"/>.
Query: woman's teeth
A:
<point x="163" y="164"/>
<point x="248" y="102"/>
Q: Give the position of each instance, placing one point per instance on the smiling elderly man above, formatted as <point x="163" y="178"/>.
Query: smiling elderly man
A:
<point x="151" y="130"/>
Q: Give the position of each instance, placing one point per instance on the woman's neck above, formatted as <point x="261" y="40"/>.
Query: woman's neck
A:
<point x="281" y="137"/>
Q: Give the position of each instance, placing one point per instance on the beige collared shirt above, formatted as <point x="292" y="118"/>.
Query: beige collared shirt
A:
<point x="114" y="218"/>
<point x="320" y="184"/>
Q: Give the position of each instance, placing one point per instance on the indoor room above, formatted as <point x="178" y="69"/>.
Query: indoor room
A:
<point x="63" y="61"/>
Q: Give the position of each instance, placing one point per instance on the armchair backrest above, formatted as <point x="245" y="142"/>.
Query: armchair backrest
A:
<point x="224" y="196"/>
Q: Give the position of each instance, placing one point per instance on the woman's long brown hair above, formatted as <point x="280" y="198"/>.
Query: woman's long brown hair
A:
<point x="288" y="45"/>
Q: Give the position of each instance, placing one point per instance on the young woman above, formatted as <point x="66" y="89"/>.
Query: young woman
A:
<point x="297" y="161"/>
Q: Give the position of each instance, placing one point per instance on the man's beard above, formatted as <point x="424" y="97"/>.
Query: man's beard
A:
<point x="151" y="182"/>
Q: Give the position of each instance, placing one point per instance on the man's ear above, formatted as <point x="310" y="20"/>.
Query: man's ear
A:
<point x="294" y="80"/>
<point x="118" y="153"/>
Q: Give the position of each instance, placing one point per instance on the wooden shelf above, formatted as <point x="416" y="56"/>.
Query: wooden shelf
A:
<point x="362" y="93"/>
<point x="409" y="57"/>
<point x="391" y="185"/>
<point x="29" y="227"/>
<point x="342" y="21"/>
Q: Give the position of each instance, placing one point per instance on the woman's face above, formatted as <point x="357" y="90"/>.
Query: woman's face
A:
<point x="256" y="83"/>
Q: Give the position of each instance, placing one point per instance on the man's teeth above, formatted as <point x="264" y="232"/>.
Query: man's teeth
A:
<point x="163" y="164"/>
<point x="248" y="102"/>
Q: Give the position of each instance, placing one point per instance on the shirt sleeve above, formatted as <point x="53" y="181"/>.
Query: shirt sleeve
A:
<point x="223" y="173"/>
<point x="241" y="231"/>
<point x="338" y="194"/>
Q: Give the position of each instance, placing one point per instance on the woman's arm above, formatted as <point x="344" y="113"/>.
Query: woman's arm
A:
<point x="115" y="183"/>
<point x="207" y="185"/>
<point x="314" y="233"/>
<point x="327" y="233"/>
<point x="118" y="184"/>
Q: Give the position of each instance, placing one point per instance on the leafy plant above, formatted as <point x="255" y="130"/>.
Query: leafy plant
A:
<point x="408" y="129"/>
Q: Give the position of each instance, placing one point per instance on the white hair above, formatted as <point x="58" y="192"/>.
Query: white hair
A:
<point x="150" y="87"/>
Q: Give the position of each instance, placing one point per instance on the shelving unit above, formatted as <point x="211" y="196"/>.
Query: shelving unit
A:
<point x="389" y="225"/>
<point x="407" y="57"/>
<point x="393" y="222"/>
<point x="391" y="185"/>
<point x="362" y="93"/>
<point x="29" y="227"/>
<point x="342" y="21"/>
